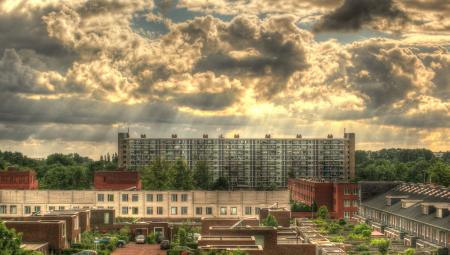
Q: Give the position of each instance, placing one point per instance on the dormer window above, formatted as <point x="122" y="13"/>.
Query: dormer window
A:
<point x="439" y="213"/>
<point x="425" y="209"/>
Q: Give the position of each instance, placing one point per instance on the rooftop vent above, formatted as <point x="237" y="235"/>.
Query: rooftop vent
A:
<point x="220" y="136"/>
<point x="143" y="136"/>
<point x="330" y="136"/>
<point x="268" y="136"/>
<point x="174" y="136"/>
<point x="236" y="136"/>
<point x="205" y="136"/>
<point x="299" y="136"/>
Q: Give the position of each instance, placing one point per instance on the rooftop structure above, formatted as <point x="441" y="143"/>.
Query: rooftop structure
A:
<point x="409" y="212"/>
<point x="13" y="178"/>
<point x="117" y="180"/>
<point x="248" y="162"/>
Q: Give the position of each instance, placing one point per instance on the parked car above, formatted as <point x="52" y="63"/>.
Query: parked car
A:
<point x="140" y="239"/>
<point x="164" y="245"/>
<point x="86" y="252"/>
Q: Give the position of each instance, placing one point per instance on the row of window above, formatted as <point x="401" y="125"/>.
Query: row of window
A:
<point x="184" y="210"/>
<point x="349" y="203"/>
<point x="148" y="197"/>
<point x="13" y="209"/>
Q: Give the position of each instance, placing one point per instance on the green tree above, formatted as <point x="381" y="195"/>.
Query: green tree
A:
<point x="66" y="177"/>
<point x="323" y="213"/>
<point x="221" y="183"/>
<point x="270" y="221"/>
<point x="182" y="176"/>
<point x="202" y="176"/>
<point x="10" y="242"/>
<point x="382" y="245"/>
<point x="156" y="176"/>
<point x="440" y="173"/>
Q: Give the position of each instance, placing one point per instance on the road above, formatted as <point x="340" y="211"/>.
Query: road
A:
<point x="139" y="249"/>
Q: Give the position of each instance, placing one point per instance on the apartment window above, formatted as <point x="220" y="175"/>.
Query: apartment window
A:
<point x="61" y="208"/>
<point x="125" y="197"/>
<point x="50" y="208"/>
<point x="37" y="209"/>
<point x="174" y="197"/>
<point x="124" y="210"/>
<point x="13" y="209"/>
<point x="355" y="203"/>
<point x="347" y="203"/>
<point x="134" y="210"/>
<point x="346" y="215"/>
<point x="233" y="211"/>
<point x="159" y="197"/>
<point x="248" y="210"/>
<point x="208" y="210"/>
<point x="110" y="197"/>
<point x="27" y="209"/>
<point x="149" y="197"/>
<point x="173" y="210"/>
<point x="223" y="211"/>
<point x="184" y="197"/>
<point x="135" y="197"/>
<point x="198" y="210"/>
<point x="149" y="210"/>
<point x="2" y="209"/>
<point x="100" y="197"/>
<point x="184" y="210"/>
<point x="159" y="210"/>
<point x="257" y="210"/>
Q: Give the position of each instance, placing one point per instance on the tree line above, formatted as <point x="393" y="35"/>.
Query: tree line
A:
<point x="408" y="165"/>
<point x="72" y="171"/>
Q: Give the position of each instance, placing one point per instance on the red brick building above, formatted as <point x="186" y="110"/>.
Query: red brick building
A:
<point x="12" y="178"/>
<point x="117" y="180"/>
<point x="341" y="198"/>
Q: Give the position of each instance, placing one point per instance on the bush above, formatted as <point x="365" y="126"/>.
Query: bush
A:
<point x="337" y="239"/>
<point x="381" y="244"/>
<point x="323" y="213"/>
<point x="270" y="221"/>
<point x="342" y="222"/>
<point x="299" y="207"/>
<point x="362" y="247"/>
<point x="151" y="238"/>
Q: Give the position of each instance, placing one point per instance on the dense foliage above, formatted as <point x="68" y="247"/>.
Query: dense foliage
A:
<point x="59" y="171"/>
<point x="409" y="165"/>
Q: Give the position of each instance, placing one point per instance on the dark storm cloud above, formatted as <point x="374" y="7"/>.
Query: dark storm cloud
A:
<point x="431" y="119"/>
<point x="19" y="31"/>
<point x="14" y="109"/>
<point x="277" y="42"/>
<point x="17" y="77"/>
<point x="383" y="73"/>
<point x="353" y="14"/>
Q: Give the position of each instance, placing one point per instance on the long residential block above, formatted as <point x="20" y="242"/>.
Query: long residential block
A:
<point x="248" y="163"/>
<point x="143" y="204"/>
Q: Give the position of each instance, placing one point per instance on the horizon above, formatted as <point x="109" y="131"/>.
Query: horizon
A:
<point x="74" y="73"/>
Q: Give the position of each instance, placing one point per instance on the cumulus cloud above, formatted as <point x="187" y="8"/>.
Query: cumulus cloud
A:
<point x="353" y="14"/>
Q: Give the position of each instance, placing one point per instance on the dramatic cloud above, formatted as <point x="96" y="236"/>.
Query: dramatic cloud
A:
<point x="353" y="14"/>
<point x="73" y="73"/>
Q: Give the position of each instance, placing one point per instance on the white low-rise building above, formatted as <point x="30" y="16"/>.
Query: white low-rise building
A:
<point x="143" y="204"/>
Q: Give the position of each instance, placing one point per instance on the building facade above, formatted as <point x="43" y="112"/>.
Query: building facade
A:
<point x="415" y="213"/>
<point x="117" y="180"/>
<point x="12" y="178"/>
<point x="341" y="198"/>
<point x="143" y="204"/>
<point x="248" y="163"/>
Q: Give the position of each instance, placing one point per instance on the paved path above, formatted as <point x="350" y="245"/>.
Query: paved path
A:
<point x="139" y="249"/>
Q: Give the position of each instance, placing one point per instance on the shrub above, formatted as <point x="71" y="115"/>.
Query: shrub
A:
<point x="337" y="239"/>
<point x="381" y="244"/>
<point x="151" y="238"/>
<point x="270" y="221"/>
<point x="323" y="213"/>
<point x="342" y="222"/>
<point x="362" y="247"/>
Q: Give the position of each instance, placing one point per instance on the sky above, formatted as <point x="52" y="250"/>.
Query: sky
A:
<point x="74" y="73"/>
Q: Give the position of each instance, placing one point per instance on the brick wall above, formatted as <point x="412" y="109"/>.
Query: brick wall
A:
<point x="14" y="179"/>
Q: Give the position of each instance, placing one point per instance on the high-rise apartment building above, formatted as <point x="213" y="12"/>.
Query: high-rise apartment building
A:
<point x="248" y="162"/>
